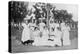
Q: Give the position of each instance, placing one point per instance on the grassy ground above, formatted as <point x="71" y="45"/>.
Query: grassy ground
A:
<point x="18" y="47"/>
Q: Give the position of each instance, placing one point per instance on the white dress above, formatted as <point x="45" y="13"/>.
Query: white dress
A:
<point x="25" y="33"/>
<point x="54" y="35"/>
<point x="37" y="38"/>
<point x="66" y="35"/>
<point x="45" y="34"/>
<point x="41" y="25"/>
<point x="53" y="25"/>
<point x="57" y="38"/>
<point x="42" y="41"/>
<point x="44" y="38"/>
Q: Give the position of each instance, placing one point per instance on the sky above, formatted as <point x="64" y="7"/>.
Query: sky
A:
<point x="71" y="8"/>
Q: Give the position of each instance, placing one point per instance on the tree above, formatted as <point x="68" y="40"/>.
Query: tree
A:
<point x="39" y="8"/>
<point x="40" y="11"/>
<point x="62" y="15"/>
<point x="17" y="11"/>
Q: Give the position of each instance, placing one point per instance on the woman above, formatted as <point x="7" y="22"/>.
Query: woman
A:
<point x="65" y="30"/>
<point x="57" y="37"/>
<point x="26" y="32"/>
<point x="52" y="25"/>
<point x="36" y="37"/>
<point x="45" y="37"/>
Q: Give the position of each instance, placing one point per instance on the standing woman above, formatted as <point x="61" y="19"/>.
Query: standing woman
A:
<point x="57" y="38"/>
<point x="65" y="34"/>
<point x="53" y="25"/>
<point x="26" y="32"/>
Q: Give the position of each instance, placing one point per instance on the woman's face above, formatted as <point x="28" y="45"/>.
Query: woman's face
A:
<point x="26" y="22"/>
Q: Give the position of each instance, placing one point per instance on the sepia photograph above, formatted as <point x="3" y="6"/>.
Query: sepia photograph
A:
<point x="39" y="26"/>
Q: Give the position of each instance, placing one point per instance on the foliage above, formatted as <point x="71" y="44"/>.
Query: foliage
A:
<point x="62" y="15"/>
<point x="37" y="12"/>
<point x="17" y="11"/>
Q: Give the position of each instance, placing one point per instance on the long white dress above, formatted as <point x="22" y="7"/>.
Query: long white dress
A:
<point x="32" y="31"/>
<point x="57" y="38"/>
<point x="53" y="26"/>
<point x="44" y="38"/>
<point x="25" y="33"/>
<point x="37" y="38"/>
<point x="66" y="35"/>
<point x="51" y="33"/>
<point x="54" y="35"/>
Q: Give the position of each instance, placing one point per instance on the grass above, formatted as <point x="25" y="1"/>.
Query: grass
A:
<point x="18" y="47"/>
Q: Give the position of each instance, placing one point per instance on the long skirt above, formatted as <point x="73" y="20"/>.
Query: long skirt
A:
<point x="36" y="41"/>
<point x="25" y="35"/>
<point x="66" y="38"/>
<point x="43" y="41"/>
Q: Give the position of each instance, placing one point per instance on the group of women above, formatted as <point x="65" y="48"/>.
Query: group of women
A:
<point x="40" y="35"/>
